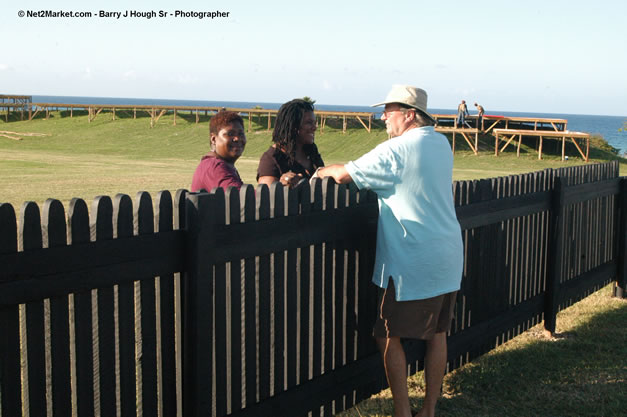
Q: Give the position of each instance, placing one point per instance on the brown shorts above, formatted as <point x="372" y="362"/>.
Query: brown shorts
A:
<point x="417" y="319"/>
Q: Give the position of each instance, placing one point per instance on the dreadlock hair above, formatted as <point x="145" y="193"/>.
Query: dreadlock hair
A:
<point x="288" y="122"/>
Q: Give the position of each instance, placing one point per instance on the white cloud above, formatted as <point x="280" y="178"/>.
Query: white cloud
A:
<point x="187" y="79"/>
<point x="87" y="74"/>
<point x="129" y="75"/>
<point x="4" y="67"/>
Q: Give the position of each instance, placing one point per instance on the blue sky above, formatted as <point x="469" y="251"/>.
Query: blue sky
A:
<point x="532" y="56"/>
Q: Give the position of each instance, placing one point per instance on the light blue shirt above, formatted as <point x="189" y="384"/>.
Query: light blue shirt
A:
<point x="419" y="241"/>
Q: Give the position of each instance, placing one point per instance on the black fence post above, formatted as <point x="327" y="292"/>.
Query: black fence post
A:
<point x="554" y="258"/>
<point x="620" y="287"/>
<point x="197" y="307"/>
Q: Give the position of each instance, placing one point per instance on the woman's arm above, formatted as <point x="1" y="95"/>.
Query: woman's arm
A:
<point x="289" y="178"/>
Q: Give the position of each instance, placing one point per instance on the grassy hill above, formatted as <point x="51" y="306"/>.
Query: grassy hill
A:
<point x="72" y="157"/>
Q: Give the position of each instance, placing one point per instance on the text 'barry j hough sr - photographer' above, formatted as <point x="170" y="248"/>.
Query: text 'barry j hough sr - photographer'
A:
<point x="162" y="13"/>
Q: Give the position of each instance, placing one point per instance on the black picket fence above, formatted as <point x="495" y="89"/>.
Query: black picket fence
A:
<point x="259" y="302"/>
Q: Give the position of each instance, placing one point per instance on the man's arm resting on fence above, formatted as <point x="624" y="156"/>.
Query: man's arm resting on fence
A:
<point x="338" y="172"/>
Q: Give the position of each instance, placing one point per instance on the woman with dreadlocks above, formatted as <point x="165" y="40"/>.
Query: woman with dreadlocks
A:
<point x="293" y="156"/>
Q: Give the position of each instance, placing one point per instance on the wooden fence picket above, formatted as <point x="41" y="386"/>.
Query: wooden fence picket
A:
<point x="102" y="229"/>
<point x="234" y="216"/>
<point x="144" y="225"/>
<point x="164" y="221"/>
<point x="292" y="285"/>
<point x="123" y="228"/>
<point x="55" y="235"/>
<point x="79" y="233"/>
<point x="262" y="203"/>
<point x="247" y="198"/>
<point x="277" y="211"/>
<point x="30" y="239"/>
<point x="10" y="373"/>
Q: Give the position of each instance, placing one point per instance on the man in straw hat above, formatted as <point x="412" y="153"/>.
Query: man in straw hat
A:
<point x="418" y="264"/>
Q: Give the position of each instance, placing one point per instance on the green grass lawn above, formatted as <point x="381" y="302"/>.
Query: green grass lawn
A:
<point x="76" y="158"/>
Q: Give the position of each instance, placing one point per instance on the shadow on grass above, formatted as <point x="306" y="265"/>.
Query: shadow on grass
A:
<point x="580" y="372"/>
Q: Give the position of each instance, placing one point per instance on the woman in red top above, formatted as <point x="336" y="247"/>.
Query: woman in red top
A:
<point x="228" y="140"/>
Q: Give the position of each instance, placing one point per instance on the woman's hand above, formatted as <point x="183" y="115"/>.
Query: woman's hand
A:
<point x="290" y="179"/>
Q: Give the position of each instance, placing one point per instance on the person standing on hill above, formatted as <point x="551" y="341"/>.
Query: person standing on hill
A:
<point x="462" y="112"/>
<point x="419" y="249"/>
<point x="480" y="112"/>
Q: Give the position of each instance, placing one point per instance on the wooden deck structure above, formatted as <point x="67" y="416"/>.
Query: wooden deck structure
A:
<point x="15" y="102"/>
<point x="508" y="136"/>
<point x="507" y="128"/>
<point x="156" y="111"/>
<point x="490" y="122"/>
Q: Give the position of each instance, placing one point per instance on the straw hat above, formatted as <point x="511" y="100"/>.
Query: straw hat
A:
<point x="409" y="96"/>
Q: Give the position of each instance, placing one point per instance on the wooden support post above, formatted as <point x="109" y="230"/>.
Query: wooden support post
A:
<point x="134" y="113"/>
<point x="453" y="143"/>
<point x="196" y="116"/>
<point x="113" y="110"/>
<point x="71" y="112"/>
<point x="620" y="286"/>
<point x="563" y="147"/>
<point x="554" y="257"/>
<point x="250" y="121"/>
<point x="269" y="121"/>
<point x="30" y="112"/>
<point x="198" y="308"/>
<point x="47" y="112"/>
<point x="344" y="124"/>
<point x="477" y="140"/>
<point x="540" y="148"/>
<point x="174" y="123"/>
<point x="518" y="147"/>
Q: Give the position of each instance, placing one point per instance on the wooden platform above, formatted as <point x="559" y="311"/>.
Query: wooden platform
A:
<point x="490" y="122"/>
<point x="502" y="134"/>
<point x="465" y="132"/>
<point x="156" y="111"/>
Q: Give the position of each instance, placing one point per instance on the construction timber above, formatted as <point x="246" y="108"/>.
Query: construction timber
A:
<point x="506" y="129"/>
<point x="157" y="111"/>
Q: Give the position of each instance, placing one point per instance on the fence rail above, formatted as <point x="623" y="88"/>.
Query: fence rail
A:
<point x="259" y="302"/>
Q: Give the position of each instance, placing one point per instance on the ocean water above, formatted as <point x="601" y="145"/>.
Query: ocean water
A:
<point x="605" y="126"/>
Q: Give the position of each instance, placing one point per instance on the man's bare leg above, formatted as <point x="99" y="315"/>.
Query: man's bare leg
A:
<point x="396" y="373"/>
<point x="435" y="365"/>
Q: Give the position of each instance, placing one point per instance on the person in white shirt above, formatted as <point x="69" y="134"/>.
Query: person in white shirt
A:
<point x="419" y="249"/>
